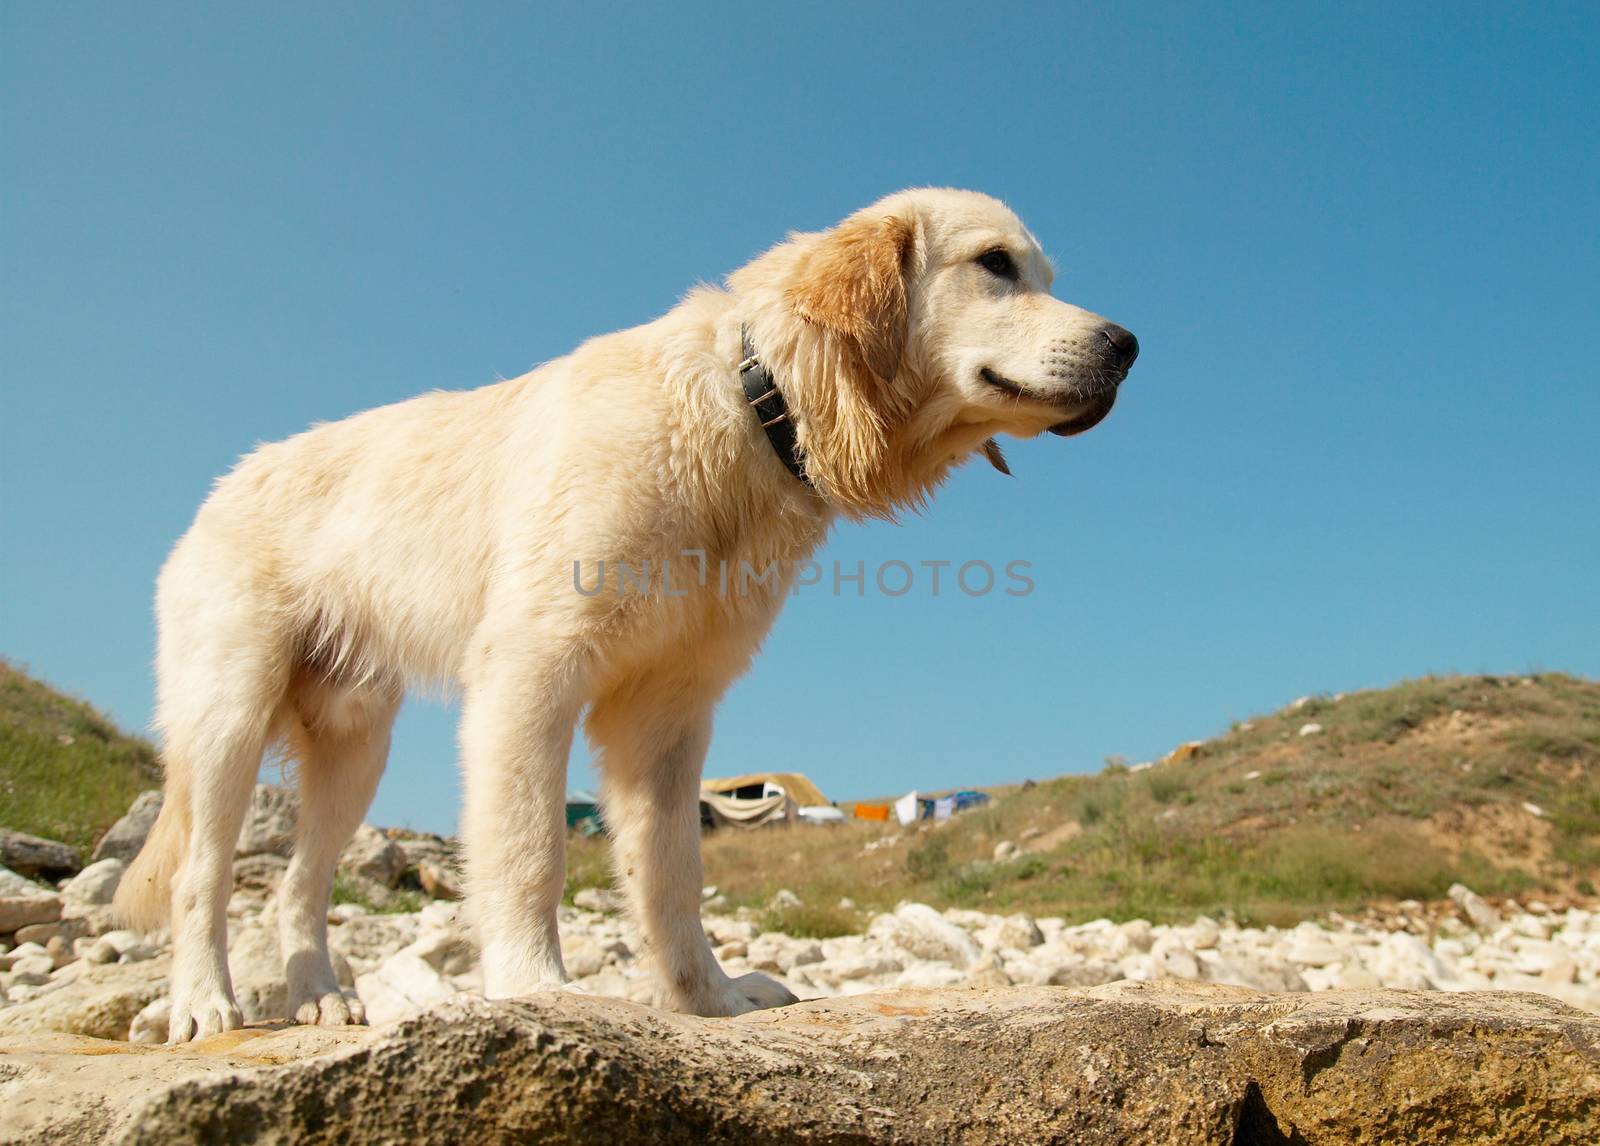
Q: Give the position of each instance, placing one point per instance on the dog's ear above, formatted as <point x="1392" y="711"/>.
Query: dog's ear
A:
<point x="853" y="284"/>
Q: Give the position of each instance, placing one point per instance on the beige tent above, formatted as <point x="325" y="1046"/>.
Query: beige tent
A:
<point x="755" y="799"/>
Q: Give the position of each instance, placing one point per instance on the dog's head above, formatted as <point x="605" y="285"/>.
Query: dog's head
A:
<point x="915" y="331"/>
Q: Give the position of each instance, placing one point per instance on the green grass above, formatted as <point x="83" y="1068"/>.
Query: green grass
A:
<point x="1361" y="812"/>
<point x="376" y="898"/>
<point x="66" y="772"/>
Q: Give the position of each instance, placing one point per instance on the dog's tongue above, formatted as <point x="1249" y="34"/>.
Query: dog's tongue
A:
<point x="1087" y="420"/>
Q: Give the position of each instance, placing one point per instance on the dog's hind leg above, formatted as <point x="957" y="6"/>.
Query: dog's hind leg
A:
<point x="340" y="739"/>
<point x="517" y="722"/>
<point x="653" y="737"/>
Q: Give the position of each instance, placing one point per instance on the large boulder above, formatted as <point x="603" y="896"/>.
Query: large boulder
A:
<point x="1154" y="1063"/>
<point x="128" y="834"/>
<point x="36" y="856"/>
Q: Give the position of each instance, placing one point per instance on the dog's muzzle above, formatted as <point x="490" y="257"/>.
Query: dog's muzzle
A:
<point x="1117" y="348"/>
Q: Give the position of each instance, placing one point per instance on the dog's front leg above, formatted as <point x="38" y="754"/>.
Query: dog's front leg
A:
<point x="653" y="738"/>
<point x="516" y="733"/>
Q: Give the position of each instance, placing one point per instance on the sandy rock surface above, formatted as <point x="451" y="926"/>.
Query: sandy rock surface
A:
<point x="1146" y="1062"/>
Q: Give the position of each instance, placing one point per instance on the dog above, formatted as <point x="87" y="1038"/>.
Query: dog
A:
<point x="841" y="375"/>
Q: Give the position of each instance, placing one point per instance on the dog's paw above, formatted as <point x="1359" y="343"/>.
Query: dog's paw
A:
<point x="761" y="991"/>
<point x="332" y="1009"/>
<point x="203" y="1015"/>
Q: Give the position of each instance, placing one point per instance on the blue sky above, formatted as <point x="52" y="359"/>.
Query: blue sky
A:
<point x="1359" y="245"/>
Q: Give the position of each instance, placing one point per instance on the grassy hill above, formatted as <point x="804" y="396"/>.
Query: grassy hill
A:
<point x="1401" y="792"/>
<point x="66" y="772"/>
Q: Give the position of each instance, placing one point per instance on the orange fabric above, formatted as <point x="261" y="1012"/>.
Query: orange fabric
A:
<point x="872" y="812"/>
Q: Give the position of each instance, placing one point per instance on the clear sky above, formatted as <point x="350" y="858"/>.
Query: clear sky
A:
<point x="1359" y="243"/>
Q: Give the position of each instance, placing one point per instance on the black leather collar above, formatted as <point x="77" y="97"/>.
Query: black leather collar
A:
<point x="762" y="395"/>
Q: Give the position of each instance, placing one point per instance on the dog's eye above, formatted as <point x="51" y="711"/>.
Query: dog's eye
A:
<point x="998" y="262"/>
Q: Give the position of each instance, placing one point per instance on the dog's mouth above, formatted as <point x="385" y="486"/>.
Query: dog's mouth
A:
<point x="1096" y="404"/>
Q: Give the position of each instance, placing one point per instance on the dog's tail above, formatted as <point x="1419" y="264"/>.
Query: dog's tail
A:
<point x="144" y="896"/>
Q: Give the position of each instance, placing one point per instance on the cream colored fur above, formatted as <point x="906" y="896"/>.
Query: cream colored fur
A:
<point x="433" y="541"/>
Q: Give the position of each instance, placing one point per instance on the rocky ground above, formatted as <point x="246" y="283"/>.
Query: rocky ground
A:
<point x="65" y="965"/>
<point x="1165" y="1062"/>
<point x="926" y="1027"/>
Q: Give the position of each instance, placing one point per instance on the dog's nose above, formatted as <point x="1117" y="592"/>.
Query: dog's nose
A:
<point x="1121" y="347"/>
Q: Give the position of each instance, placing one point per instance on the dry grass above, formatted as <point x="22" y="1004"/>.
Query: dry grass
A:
<point x="1405" y="791"/>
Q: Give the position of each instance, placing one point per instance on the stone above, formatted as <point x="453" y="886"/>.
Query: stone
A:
<point x="68" y="930"/>
<point x="14" y="886"/>
<point x="450" y="952"/>
<point x="32" y="970"/>
<point x="1139" y="934"/>
<point x="128" y="834"/>
<point x="149" y="1026"/>
<point x="1310" y="728"/>
<point x="372" y="855"/>
<point x="1088" y="973"/>
<point x="1472" y="905"/>
<point x="34" y="856"/>
<point x="1204" y="934"/>
<point x="21" y="911"/>
<point x="600" y="899"/>
<point x="1177" y="961"/>
<point x="426" y="847"/>
<point x="923" y="933"/>
<point x="582" y="958"/>
<point x="94" y="885"/>
<point x="784" y="899"/>
<point x="440" y="879"/>
<point x="1313" y="951"/>
<point x="1005" y="851"/>
<point x="1159" y="1063"/>
<point x="1020" y="931"/>
<point x="259" y="874"/>
<point x="401" y="986"/>
<point x="101" y="1002"/>
<point x="269" y="824"/>
<point x="256" y="965"/>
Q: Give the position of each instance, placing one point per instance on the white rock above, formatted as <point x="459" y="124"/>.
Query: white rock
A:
<point x="1472" y="905"/>
<point x="1312" y="951"/>
<point x="402" y="986"/>
<point x="128" y="834"/>
<point x="784" y="898"/>
<point x="269" y="824"/>
<point x="598" y="899"/>
<point x="923" y="933"/>
<point x="928" y="975"/>
<point x="1178" y="962"/>
<point x="1204" y="934"/>
<point x="450" y="952"/>
<point x="94" y="885"/>
<point x="582" y="959"/>
<point x="373" y="855"/>
<point x="31" y="970"/>
<point x="1139" y="934"/>
<point x="14" y="886"/>
<point x="1020" y="931"/>
<point x="1006" y="850"/>
<point x="867" y="966"/>
<point x="1310" y="728"/>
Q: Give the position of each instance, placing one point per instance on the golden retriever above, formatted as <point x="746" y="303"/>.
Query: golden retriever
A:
<point x="438" y="540"/>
